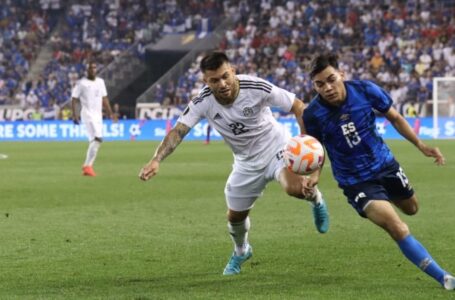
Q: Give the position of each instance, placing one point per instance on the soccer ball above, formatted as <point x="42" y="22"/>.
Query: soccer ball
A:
<point x="303" y="154"/>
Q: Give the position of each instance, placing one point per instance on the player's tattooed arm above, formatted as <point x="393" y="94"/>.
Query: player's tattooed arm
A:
<point x="171" y="141"/>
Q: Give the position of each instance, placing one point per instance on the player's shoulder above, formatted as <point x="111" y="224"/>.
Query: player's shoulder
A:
<point x="80" y="83"/>
<point x="365" y="86"/>
<point x="360" y="83"/>
<point x="99" y="80"/>
<point x="81" y="80"/>
<point x="253" y="83"/>
<point x="203" y="95"/>
<point x="311" y="110"/>
<point x="314" y="104"/>
<point x="84" y="80"/>
<point x="313" y="115"/>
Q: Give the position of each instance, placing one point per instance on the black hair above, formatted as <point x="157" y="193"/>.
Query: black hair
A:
<point x="322" y="61"/>
<point x="91" y="62"/>
<point x="213" y="61"/>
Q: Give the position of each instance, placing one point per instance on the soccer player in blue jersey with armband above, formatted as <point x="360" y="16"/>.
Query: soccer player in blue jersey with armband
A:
<point x="342" y="118"/>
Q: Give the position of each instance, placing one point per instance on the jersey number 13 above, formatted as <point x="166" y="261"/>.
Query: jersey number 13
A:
<point x="351" y="135"/>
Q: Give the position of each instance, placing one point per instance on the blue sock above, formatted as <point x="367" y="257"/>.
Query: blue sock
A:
<point x="417" y="254"/>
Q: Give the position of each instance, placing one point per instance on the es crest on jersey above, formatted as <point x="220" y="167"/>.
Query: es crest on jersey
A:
<point x="344" y="117"/>
<point x="248" y="111"/>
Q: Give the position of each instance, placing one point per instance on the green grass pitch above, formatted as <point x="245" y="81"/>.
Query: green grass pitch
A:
<point x="65" y="236"/>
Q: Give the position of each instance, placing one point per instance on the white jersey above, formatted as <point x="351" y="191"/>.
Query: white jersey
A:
<point x="90" y="93"/>
<point x="247" y="125"/>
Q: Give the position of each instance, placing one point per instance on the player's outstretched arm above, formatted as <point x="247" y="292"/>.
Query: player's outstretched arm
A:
<point x="167" y="146"/>
<point x="439" y="159"/>
<point x="403" y="127"/>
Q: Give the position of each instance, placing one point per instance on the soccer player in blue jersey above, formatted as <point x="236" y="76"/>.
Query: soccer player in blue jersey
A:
<point x="342" y="117"/>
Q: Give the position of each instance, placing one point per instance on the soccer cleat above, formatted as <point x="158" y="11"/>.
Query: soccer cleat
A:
<point x="449" y="282"/>
<point x="88" y="171"/>
<point x="235" y="262"/>
<point x="321" y="217"/>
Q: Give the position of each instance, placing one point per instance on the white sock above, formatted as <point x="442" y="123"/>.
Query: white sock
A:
<point x="239" y="235"/>
<point x="316" y="198"/>
<point x="91" y="152"/>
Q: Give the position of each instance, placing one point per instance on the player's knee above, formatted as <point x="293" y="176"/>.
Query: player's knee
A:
<point x="236" y="216"/>
<point x="409" y="206"/>
<point x="398" y="230"/>
<point x="411" y="210"/>
<point x="291" y="184"/>
<point x="294" y="190"/>
<point x="412" y="206"/>
<point x="98" y="139"/>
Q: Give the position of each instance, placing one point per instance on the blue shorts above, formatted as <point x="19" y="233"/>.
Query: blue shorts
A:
<point x="390" y="184"/>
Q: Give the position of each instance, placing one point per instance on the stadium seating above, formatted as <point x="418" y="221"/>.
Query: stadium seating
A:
<point x="401" y="46"/>
<point x="25" y="26"/>
<point x="97" y="30"/>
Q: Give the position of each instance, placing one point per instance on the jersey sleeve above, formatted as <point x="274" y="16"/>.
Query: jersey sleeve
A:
<point x="280" y="98"/>
<point x="193" y="113"/>
<point x="76" y="93"/>
<point x="380" y="99"/>
<point x="311" y="124"/>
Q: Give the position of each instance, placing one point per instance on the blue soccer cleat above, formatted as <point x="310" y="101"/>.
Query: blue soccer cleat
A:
<point x="321" y="217"/>
<point x="235" y="262"/>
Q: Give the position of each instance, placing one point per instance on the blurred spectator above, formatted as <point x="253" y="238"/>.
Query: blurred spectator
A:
<point x="118" y="112"/>
<point x="31" y="99"/>
<point x="422" y="97"/>
<point x="376" y="62"/>
<point x="66" y="113"/>
<point x="51" y="111"/>
<point x="411" y="111"/>
<point x="37" y="114"/>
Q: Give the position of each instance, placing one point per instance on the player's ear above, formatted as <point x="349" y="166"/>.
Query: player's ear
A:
<point x="342" y="75"/>
<point x="204" y="78"/>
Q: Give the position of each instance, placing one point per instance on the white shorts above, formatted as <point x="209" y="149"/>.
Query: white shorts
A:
<point x="244" y="186"/>
<point x="94" y="128"/>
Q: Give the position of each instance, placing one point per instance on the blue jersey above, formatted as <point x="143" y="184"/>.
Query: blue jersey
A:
<point x="355" y="149"/>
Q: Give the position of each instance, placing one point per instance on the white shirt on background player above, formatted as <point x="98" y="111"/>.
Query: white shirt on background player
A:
<point x="90" y="93"/>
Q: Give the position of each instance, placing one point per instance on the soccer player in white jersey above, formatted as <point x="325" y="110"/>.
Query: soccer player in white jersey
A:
<point x="91" y="92"/>
<point x="238" y="107"/>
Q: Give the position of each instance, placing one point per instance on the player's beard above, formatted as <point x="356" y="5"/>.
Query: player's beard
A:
<point x="228" y="99"/>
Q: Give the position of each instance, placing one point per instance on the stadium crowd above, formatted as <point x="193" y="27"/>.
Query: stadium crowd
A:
<point x="96" y="30"/>
<point x="401" y="45"/>
<point x="25" y="26"/>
